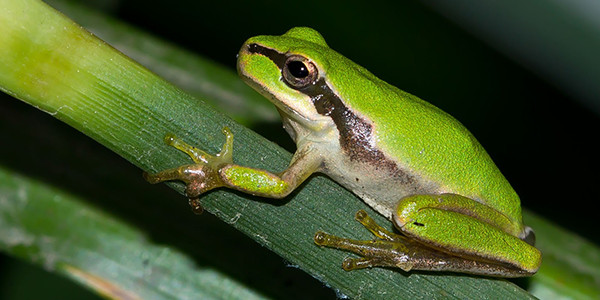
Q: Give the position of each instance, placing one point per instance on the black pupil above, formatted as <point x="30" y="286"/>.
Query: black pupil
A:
<point x="298" y="69"/>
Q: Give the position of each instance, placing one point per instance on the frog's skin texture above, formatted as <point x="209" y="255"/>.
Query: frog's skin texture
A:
<point x="410" y="161"/>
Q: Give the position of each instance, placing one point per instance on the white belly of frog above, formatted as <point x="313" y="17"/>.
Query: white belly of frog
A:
<point x="380" y="190"/>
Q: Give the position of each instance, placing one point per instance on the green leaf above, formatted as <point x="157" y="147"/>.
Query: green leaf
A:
<point x="67" y="235"/>
<point x="63" y="70"/>
<point x="570" y="267"/>
<point x="200" y="77"/>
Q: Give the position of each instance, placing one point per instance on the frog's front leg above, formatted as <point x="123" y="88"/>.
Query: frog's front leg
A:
<point x="213" y="171"/>
<point x="442" y="233"/>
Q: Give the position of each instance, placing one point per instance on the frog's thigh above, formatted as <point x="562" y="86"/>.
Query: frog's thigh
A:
<point x="462" y="226"/>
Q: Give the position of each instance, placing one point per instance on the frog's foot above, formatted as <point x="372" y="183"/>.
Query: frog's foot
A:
<point x="375" y="253"/>
<point x="201" y="176"/>
<point x="390" y="250"/>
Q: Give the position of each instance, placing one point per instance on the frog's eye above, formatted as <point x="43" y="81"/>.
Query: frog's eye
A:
<point x="299" y="72"/>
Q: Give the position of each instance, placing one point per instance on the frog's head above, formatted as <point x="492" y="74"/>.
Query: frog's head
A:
<point x="290" y="71"/>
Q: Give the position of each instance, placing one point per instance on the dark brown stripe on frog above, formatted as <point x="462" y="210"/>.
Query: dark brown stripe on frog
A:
<point x="355" y="132"/>
<point x="277" y="57"/>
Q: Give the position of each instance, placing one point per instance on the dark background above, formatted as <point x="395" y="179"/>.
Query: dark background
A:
<point x="542" y="139"/>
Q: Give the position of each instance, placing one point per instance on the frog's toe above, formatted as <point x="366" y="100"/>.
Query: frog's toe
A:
<point x="321" y="238"/>
<point x="350" y="264"/>
<point x="196" y="206"/>
<point x="150" y="178"/>
<point x="166" y="175"/>
<point x="361" y="215"/>
<point x="170" y="139"/>
<point x="331" y="241"/>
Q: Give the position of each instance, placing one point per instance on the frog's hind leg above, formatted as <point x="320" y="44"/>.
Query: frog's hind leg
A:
<point x="399" y="251"/>
<point x="461" y="226"/>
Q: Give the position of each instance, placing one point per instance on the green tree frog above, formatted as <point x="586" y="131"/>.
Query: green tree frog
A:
<point x="407" y="159"/>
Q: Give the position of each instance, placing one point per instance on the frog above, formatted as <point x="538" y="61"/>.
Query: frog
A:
<point x="410" y="161"/>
